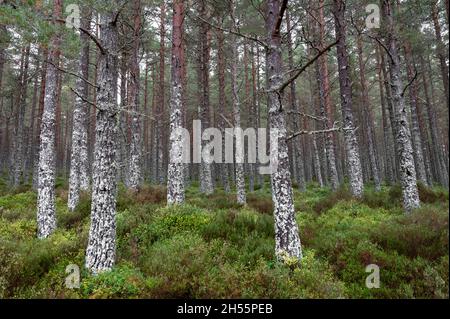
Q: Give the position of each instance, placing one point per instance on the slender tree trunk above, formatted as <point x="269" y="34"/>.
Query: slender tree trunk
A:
<point x="46" y="217"/>
<point x="387" y="133"/>
<point x="297" y="141"/>
<point x="79" y="179"/>
<point x="36" y="149"/>
<point x="287" y="239"/>
<point x="175" y="176"/>
<point x="438" y="160"/>
<point x="440" y="50"/>
<point x="222" y="104"/>
<point x="19" y="130"/>
<point x="161" y="96"/>
<point x="402" y="133"/>
<point x="368" y="116"/>
<point x="101" y="249"/>
<point x="239" y="160"/>
<point x="415" y="130"/>
<point x="135" y="155"/>
<point x="351" y="144"/>
<point x="325" y="103"/>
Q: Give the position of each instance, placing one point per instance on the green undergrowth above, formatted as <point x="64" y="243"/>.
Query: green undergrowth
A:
<point x="212" y="247"/>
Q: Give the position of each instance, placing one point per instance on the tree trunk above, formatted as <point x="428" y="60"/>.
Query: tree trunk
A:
<point x="101" y="249"/>
<point x="415" y="130"/>
<point x="239" y="160"/>
<point x="19" y="129"/>
<point x="387" y="129"/>
<point x="297" y="141"/>
<point x="222" y="105"/>
<point x="325" y="103"/>
<point x="175" y="175"/>
<point x="79" y="179"/>
<point x="287" y="239"/>
<point x="368" y="116"/>
<point x="135" y="155"/>
<point x="440" y="50"/>
<point x="351" y="144"/>
<point x="402" y="134"/>
<point x="46" y="216"/>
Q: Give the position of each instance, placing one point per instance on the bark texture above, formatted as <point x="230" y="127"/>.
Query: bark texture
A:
<point x="402" y="133"/>
<point x="101" y="249"/>
<point x="78" y="179"/>
<point x="287" y="239"/>
<point x="46" y="216"/>
<point x="175" y="175"/>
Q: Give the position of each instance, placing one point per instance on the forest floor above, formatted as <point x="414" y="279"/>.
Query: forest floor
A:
<point x="213" y="248"/>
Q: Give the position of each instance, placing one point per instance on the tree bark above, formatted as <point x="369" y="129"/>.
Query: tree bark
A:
<point x="79" y="178"/>
<point x="135" y="155"/>
<point x="239" y="160"/>
<point x="415" y="130"/>
<point x="351" y="144"/>
<point x="46" y="216"/>
<point x="222" y="105"/>
<point x="175" y="175"/>
<point x="402" y="134"/>
<point x="287" y="239"/>
<point x="368" y="116"/>
<point x="101" y="249"/>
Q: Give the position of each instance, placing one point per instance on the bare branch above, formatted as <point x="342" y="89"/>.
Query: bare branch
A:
<point x="262" y="43"/>
<point x="302" y="69"/>
<point x="84" y="99"/>
<point x="333" y="129"/>
<point x="71" y="73"/>
<point x="410" y="82"/>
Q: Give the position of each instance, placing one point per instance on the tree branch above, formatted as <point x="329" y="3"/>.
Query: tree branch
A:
<point x="84" y="99"/>
<point x="93" y="37"/>
<point x="333" y="129"/>
<point x="302" y="69"/>
<point x="410" y="82"/>
<point x="71" y="73"/>
<point x="234" y="32"/>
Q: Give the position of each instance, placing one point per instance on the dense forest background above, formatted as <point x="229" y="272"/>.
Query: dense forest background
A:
<point x="92" y="94"/>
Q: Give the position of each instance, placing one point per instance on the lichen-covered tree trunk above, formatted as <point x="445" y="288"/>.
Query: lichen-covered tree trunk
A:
<point x="161" y="97"/>
<point x="101" y="249"/>
<point x="239" y="160"/>
<point x="46" y="216"/>
<point x="402" y="134"/>
<point x="19" y="128"/>
<point x="325" y="102"/>
<point x="79" y="179"/>
<point x="415" y="130"/>
<point x="439" y="167"/>
<point x="351" y="144"/>
<point x="297" y="142"/>
<point x="221" y="105"/>
<point x="135" y="154"/>
<point x="367" y="113"/>
<point x="387" y="133"/>
<point x="287" y="239"/>
<point x="175" y="174"/>
<point x="440" y="48"/>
